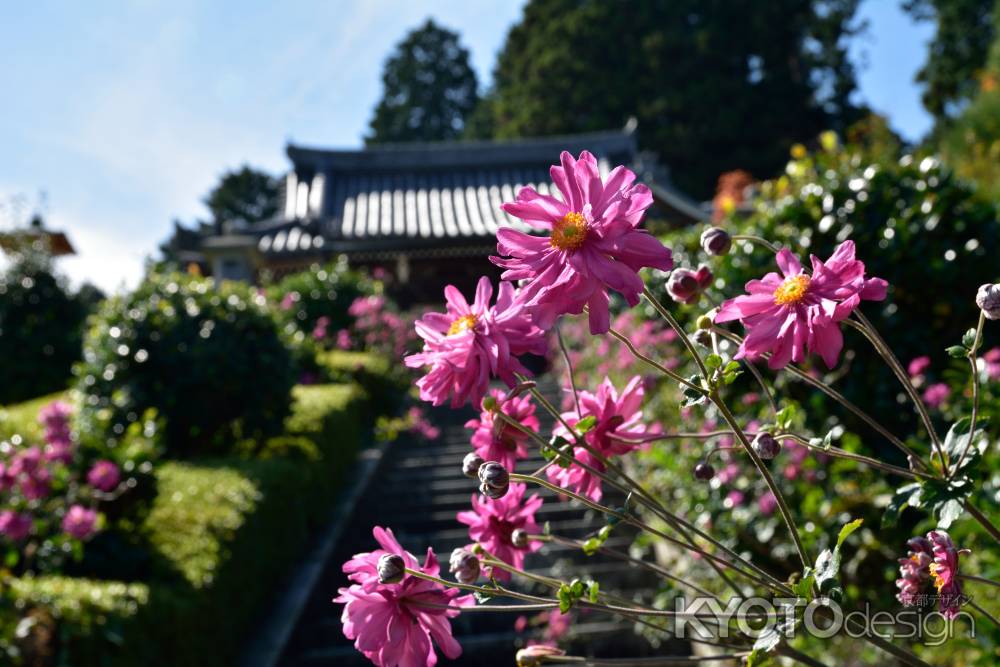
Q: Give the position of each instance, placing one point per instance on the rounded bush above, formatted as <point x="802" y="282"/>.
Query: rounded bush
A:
<point x="208" y="358"/>
<point x="318" y="299"/>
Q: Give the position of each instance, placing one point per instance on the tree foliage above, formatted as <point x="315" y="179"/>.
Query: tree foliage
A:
<point x="715" y="85"/>
<point x="429" y="89"/>
<point x="957" y="52"/>
<point x="245" y="194"/>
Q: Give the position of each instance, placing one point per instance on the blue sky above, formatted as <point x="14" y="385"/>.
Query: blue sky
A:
<point x="125" y="113"/>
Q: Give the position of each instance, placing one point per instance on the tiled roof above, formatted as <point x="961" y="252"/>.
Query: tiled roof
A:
<point x="415" y="196"/>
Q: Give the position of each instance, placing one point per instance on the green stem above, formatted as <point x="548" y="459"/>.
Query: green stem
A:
<point x="975" y="392"/>
<point x="756" y="240"/>
<point x="675" y="325"/>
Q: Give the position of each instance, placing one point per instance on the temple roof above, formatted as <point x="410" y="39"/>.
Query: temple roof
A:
<point x="411" y="197"/>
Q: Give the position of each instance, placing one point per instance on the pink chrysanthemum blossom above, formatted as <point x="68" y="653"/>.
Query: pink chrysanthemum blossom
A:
<point x="790" y="313"/>
<point x="492" y="523"/>
<point x="104" y="475"/>
<point x="470" y="343"/>
<point x="944" y="573"/>
<point x="386" y="621"/>
<point x="594" y="243"/>
<point x="914" y="572"/>
<point x="619" y="425"/>
<point x="80" y="522"/>
<point x="495" y="440"/>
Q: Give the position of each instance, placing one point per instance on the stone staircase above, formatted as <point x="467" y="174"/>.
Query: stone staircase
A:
<point x="417" y="490"/>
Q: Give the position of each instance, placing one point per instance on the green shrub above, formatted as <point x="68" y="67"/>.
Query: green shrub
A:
<point x="207" y="358"/>
<point x="913" y="222"/>
<point x="41" y="326"/>
<point x="321" y="292"/>
<point x="222" y="533"/>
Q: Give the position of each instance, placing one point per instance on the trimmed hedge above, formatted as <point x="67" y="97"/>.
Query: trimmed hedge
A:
<point x="223" y="533"/>
<point x="22" y="418"/>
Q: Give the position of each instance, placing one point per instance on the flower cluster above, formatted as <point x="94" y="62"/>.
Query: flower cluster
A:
<point x="493" y="522"/>
<point x="44" y="494"/>
<point x="376" y="326"/>
<point x="394" y="624"/>
<point x="931" y="559"/>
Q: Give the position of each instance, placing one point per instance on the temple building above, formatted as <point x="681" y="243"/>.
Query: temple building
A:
<point x="424" y="213"/>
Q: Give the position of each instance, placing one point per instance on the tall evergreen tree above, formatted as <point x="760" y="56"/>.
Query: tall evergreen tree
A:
<point x="716" y="85"/>
<point x="957" y="53"/>
<point x="429" y="89"/>
<point x="244" y="194"/>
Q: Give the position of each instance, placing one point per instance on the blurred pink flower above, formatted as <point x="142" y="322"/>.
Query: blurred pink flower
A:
<point x="15" y="526"/>
<point x="420" y="425"/>
<point x="322" y="327"/>
<point x="492" y="522"/>
<point x="787" y="314"/>
<point x="344" y="339"/>
<point x="767" y="503"/>
<point x="470" y="343"/>
<point x="992" y="360"/>
<point x="619" y="421"/>
<point x="289" y="300"/>
<point x="494" y="440"/>
<point x="936" y="394"/>
<point x="388" y="622"/>
<point x="918" y="366"/>
<point x="594" y="243"/>
<point x="80" y="522"/>
<point x="104" y="475"/>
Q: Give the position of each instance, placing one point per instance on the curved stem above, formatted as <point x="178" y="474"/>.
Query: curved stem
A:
<point x="980" y="580"/>
<point x="766" y="474"/>
<point x="859" y="458"/>
<point x="675" y="325"/>
<point x="658" y="366"/>
<point x="974" y="367"/>
<point x="569" y="371"/>
<point x="988" y="615"/>
<point x="982" y="519"/>
<point x="756" y="240"/>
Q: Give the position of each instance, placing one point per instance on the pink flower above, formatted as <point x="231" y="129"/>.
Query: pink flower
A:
<point x="495" y="440"/>
<point x="619" y="421"/>
<point x="593" y="245"/>
<point x="992" y="359"/>
<point x="387" y="622"/>
<point x="767" y="503"/>
<point x="55" y="415"/>
<point x="936" y="394"/>
<point x="289" y="300"/>
<point x="918" y="366"/>
<point x="80" y="522"/>
<point x="787" y="314"/>
<point x="343" y="339"/>
<point x="104" y="476"/>
<point x="467" y="345"/>
<point x="322" y="325"/>
<point x="944" y="573"/>
<point x="686" y="286"/>
<point x="14" y="525"/>
<point x="914" y="571"/>
<point x="492" y="522"/>
<point x="421" y="425"/>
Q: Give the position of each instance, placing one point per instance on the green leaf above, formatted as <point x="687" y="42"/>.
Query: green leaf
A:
<point x="828" y="440"/>
<point x="948" y="512"/>
<point x="594" y="591"/>
<point x="713" y="361"/>
<point x="803" y="587"/>
<point x="958" y="437"/>
<point x="591" y="546"/>
<point x="785" y="417"/>
<point x="899" y="501"/>
<point x="846" y="531"/>
<point x="586" y="424"/>
<point x="731" y="366"/>
<point x="827" y="568"/>
<point x="956" y="352"/>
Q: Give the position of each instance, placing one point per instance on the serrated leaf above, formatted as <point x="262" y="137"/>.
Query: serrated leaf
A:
<point x="846" y="531"/>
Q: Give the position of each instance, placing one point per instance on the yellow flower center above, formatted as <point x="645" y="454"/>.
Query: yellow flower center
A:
<point x="938" y="579"/>
<point x="462" y="324"/>
<point x="570" y="232"/>
<point x="792" y="290"/>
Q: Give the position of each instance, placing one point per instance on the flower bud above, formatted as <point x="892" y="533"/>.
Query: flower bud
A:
<point x="534" y="656"/>
<point x="494" y="480"/>
<point x="703" y="337"/>
<point x="988" y="299"/>
<point x="715" y="241"/>
<point x="704" y="471"/>
<point x="391" y="569"/>
<point x="489" y="403"/>
<point x="686" y="286"/>
<point x="766" y="446"/>
<point x="519" y="538"/>
<point x="464" y="565"/>
<point x="470" y="464"/>
<point x="705" y="322"/>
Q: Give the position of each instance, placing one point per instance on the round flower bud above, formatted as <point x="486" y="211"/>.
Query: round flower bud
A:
<point x="703" y="337"/>
<point x="471" y="463"/>
<point x="988" y="299"/>
<point x="715" y="241"/>
<point x="391" y="569"/>
<point x="464" y="565"/>
<point x="766" y="446"/>
<point x="519" y="538"/>
<point x="704" y="471"/>
<point x="494" y="480"/>
<point x="686" y="286"/>
<point x="489" y="403"/>
<point x="706" y="321"/>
